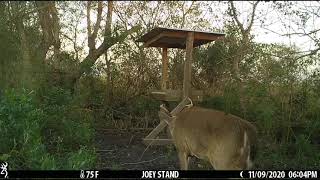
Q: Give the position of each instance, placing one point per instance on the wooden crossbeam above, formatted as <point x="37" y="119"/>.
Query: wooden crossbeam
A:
<point x="156" y="130"/>
<point x="180" y="107"/>
<point x="202" y="36"/>
<point x="163" y="34"/>
<point x="146" y="44"/>
<point x="150" y="139"/>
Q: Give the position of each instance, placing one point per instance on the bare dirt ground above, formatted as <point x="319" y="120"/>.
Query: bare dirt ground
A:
<point x="124" y="150"/>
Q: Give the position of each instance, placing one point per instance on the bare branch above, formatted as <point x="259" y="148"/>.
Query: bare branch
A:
<point x="73" y="40"/>
<point x="252" y="16"/>
<point x="272" y="31"/>
<point x="107" y="32"/>
<point x="88" y="18"/>
<point x="93" y="35"/>
<point x="142" y="18"/>
<point x="106" y="44"/>
<point x="23" y="13"/>
<point x="56" y="27"/>
<point x="141" y="162"/>
<point x="312" y="52"/>
<point x="91" y="43"/>
<point x="121" y="17"/>
<point x="155" y="14"/>
<point x="298" y="33"/>
<point x="234" y="14"/>
<point x="185" y="13"/>
<point x="97" y="25"/>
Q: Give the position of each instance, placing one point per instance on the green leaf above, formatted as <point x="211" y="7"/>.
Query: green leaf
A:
<point x="4" y="157"/>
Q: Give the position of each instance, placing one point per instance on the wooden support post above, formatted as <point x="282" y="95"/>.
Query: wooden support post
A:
<point x="188" y="66"/>
<point x="164" y="79"/>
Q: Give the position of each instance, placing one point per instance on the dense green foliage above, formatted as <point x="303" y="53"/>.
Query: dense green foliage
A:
<point x="44" y="137"/>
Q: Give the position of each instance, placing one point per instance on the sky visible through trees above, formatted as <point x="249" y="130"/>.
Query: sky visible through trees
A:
<point x="276" y="28"/>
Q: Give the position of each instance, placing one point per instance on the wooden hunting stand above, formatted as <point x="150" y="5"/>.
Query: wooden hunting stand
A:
<point x="182" y="39"/>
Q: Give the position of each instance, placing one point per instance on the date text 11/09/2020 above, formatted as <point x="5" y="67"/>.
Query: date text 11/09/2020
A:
<point x="283" y="174"/>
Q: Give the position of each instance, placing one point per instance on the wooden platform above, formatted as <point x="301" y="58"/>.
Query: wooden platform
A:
<point x="176" y="95"/>
<point x="175" y="38"/>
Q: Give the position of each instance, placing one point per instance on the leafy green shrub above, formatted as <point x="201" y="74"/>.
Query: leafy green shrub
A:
<point x="20" y="127"/>
<point x="82" y="159"/>
<point x="228" y="102"/>
<point x="68" y="129"/>
<point x="142" y="105"/>
<point x="216" y="102"/>
<point x="263" y="112"/>
<point x="49" y="136"/>
<point x="300" y="154"/>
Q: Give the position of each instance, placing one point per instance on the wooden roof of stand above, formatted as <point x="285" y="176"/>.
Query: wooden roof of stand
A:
<point x="176" y="38"/>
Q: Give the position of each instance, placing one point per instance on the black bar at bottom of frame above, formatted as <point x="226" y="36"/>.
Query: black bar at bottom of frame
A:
<point x="167" y="174"/>
<point x="122" y="174"/>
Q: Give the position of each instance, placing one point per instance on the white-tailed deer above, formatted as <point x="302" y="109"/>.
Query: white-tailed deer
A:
<point x="222" y="139"/>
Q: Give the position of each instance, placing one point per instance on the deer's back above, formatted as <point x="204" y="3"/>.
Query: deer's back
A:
<point x="201" y="131"/>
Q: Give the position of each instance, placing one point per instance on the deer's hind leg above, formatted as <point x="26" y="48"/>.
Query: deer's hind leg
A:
<point x="222" y="160"/>
<point x="184" y="160"/>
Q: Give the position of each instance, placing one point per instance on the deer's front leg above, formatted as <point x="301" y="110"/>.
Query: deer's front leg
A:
<point x="184" y="160"/>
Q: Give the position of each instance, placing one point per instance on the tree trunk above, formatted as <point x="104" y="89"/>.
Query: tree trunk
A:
<point x="26" y="73"/>
<point x="49" y="22"/>
<point x="242" y="51"/>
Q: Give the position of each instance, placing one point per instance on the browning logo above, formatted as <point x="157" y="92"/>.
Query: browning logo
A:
<point x="4" y="169"/>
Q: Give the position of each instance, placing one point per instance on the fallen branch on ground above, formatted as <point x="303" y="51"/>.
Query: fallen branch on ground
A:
<point x="141" y="162"/>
